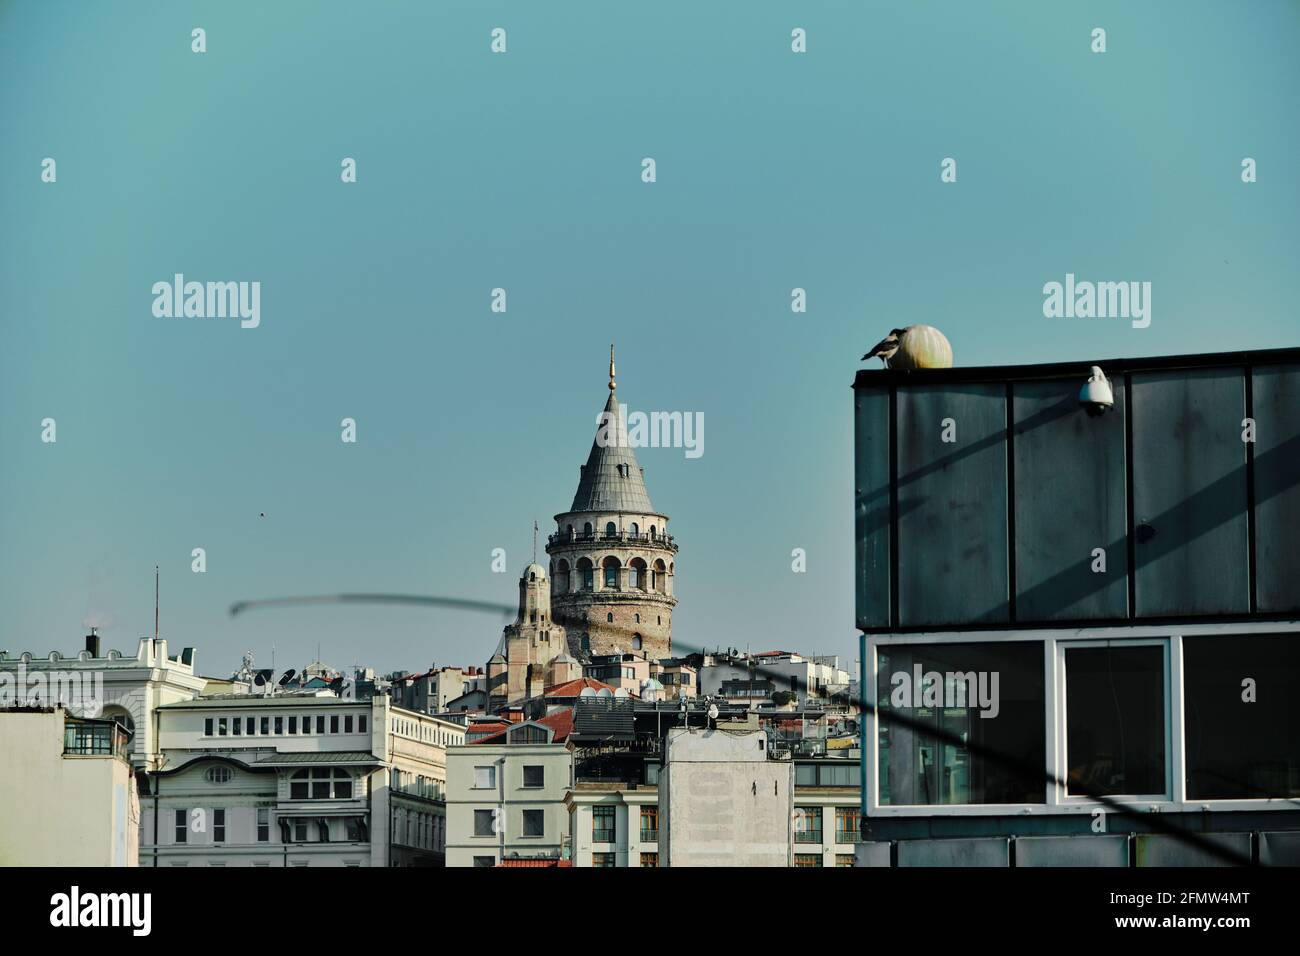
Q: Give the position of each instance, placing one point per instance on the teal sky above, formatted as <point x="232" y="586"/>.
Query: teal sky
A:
<point x="522" y="171"/>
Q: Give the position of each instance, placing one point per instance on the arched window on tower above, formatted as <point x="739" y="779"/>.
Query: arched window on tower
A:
<point x="652" y="532"/>
<point x="561" y="573"/>
<point x="611" y="566"/>
<point x="636" y="642"/>
<point x="609" y="618"/>
<point x="611" y="529"/>
<point x="587" y="574"/>
<point x="586" y="529"/>
<point x="636" y="574"/>
<point x="659" y="577"/>
<point x="635" y="529"/>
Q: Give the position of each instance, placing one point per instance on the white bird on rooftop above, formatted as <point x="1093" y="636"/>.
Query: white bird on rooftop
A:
<point x="915" y="346"/>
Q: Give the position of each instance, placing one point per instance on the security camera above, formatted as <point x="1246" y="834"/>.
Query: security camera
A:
<point x="1096" y="396"/>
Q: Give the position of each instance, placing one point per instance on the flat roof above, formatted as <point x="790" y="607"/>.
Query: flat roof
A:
<point x="876" y="377"/>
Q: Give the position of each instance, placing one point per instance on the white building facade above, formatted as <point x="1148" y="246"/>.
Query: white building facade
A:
<point x="505" y="797"/>
<point x="299" y="779"/>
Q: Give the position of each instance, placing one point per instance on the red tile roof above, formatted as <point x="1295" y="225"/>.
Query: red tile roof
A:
<point x="575" y="687"/>
<point x="561" y="722"/>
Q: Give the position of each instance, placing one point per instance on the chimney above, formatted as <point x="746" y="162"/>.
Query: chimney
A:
<point x="92" y="642"/>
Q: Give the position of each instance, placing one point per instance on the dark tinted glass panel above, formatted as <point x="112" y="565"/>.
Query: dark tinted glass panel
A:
<point x="1242" y="716"/>
<point x="989" y="694"/>
<point x="1115" y="720"/>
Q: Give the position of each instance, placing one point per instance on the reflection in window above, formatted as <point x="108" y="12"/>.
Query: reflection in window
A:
<point x="1243" y="739"/>
<point x="1115" y="719"/>
<point x="958" y="683"/>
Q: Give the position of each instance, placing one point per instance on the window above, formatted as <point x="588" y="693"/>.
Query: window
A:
<point x="602" y="825"/>
<point x="182" y="830"/>
<point x="320" y="723"/>
<point x="300" y="831"/>
<point x="807" y="859"/>
<point x="347" y="723"/>
<point x="279" y="725"/>
<point x="483" y="823"/>
<point x="534" y="823"/>
<point x="248" y="726"/>
<point x="610" y="529"/>
<point x="485" y="861"/>
<point x="236" y="727"/>
<point x="320" y="783"/>
<point x="1243" y="740"/>
<point x="602" y="859"/>
<point x="988" y="693"/>
<point x="263" y="825"/>
<point x="847" y="824"/>
<point x="534" y="777"/>
<point x="352" y="830"/>
<point x="1115" y="719"/>
<point x="611" y="577"/>
<point x="334" y="723"/>
<point x="843" y="859"/>
<point x="636" y="642"/>
<point x="650" y="824"/>
<point x="218" y="774"/>
<point x="485" y="778"/>
<point x="265" y="727"/>
<point x="529" y="734"/>
<point x="293" y="724"/>
<point x="649" y="860"/>
<point x="807" y="824"/>
<point x="221" y="726"/>
<point x="219" y="825"/>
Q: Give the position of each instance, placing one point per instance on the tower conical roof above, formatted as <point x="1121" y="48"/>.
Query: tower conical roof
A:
<point x="611" y="479"/>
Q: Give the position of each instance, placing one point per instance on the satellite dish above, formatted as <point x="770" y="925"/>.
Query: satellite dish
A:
<point x="588" y="692"/>
<point x="713" y="711"/>
<point x="604" y="692"/>
<point x="288" y="676"/>
<point x="620" y="692"/>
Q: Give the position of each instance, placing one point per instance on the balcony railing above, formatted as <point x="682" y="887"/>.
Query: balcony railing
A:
<point x="848" y="836"/>
<point x="649" y="836"/>
<point x="602" y="836"/>
<point x="808" y="836"/>
<point x="619" y="537"/>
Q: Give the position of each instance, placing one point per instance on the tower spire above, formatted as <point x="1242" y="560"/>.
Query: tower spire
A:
<point x="611" y="366"/>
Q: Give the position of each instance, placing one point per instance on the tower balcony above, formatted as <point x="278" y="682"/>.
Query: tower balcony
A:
<point x="616" y="539"/>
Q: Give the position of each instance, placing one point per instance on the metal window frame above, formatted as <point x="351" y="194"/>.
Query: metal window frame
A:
<point x="1175" y="801"/>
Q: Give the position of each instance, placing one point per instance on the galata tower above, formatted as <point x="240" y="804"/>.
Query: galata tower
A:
<point x="612" y="558"/>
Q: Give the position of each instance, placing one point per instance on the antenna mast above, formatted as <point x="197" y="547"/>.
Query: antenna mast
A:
<point x="155" y="602"/>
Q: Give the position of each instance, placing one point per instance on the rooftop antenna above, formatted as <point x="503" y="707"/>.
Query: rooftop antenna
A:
<point x="155" y="602"/>
<point x="534" y="541"/>
<point x="611" y="366"/>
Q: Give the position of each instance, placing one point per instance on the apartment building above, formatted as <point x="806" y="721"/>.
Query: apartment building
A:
<point x="505" y="794"/>
<point x="305" y="778"/>
<point x="67" y="790"/>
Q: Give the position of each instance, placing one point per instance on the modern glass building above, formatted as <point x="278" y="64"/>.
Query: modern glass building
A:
<point x="1080" y="618"/>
